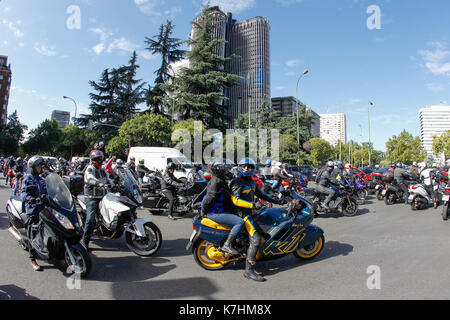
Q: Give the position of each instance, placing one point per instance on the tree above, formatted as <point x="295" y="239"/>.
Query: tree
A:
<point x="114" y="100"/>
<point x="168" y="48"/>
<point x="198" y="90"/>
<point x="321" y="151"/>
<point x="142" y="131"/>
<point x="11" y="134"/>
<point x="405" y="148"/>
<point x="44" y="139"/>
<point x="441" y="144"/>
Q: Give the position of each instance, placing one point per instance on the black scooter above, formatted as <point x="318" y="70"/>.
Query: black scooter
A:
<point x="57" y="233"/>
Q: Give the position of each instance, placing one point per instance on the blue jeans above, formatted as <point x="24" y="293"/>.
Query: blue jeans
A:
<point x="228" y="219"/>
<point x="92" y="209"/>
<point x="277" y="185"/>
<point x="16" y="186"/>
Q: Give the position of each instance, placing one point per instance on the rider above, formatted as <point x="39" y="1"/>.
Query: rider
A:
<point x="266" y="172"/>
<point x="196" y="174"/>
<point x="169" y="186"/>
<point x="325" y="179"/>
<point x="33" y="188"/>
<point x="218" y="206"/>
<point x="95" y="181"/>
<point x="10" y="163"/>
<point x="279" y="173"/>
<point x="243" y="190"/>
<point x="19" y="171"/>
<point x="400" y="175"/>
<point x="142" y="170"/>
<point x="414" y="171"/>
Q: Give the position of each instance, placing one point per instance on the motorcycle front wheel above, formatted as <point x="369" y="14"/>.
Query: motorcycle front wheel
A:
<point x="389" y="198"/>
<point x="145" y="246"/>
<point x="349" y="209"/>
<point x="310" y="251"/>
<point x="445" y="212"/>
<point x="83" y="262"/>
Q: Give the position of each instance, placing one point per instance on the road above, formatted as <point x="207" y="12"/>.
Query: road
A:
<point x="409" y="251"/>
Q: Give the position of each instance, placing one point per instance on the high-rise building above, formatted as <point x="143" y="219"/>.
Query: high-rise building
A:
<point x="333" y="128"/>
<point x="5" y="85"/>
<point x="286" y="107"/>
<point x="249" y="40"/>
<point x="63" y="118"/>
<point x="434" y="121"/>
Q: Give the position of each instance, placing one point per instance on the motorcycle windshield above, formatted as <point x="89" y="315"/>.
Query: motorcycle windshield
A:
<point x="58" y="191"/>
<point x="130" y="183"/>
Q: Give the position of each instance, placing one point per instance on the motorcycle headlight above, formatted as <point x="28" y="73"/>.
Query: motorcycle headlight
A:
<point x="63" y="220"/>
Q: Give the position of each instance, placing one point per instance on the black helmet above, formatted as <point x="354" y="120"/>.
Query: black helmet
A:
<point x="220" y="171"/>
<point x="171" y="166"/>
<point x="33" y="162"/>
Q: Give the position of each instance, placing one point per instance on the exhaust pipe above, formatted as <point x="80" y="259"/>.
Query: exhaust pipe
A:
<point x="15" y="233"/>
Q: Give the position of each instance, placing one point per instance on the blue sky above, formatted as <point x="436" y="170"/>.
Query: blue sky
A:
<point x="402" y="67"/>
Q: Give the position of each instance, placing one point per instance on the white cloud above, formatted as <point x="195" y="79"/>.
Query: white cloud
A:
<point x="286" y="3"/>
<point x="437" y="60"/>
<point x="434" y="87"/>
<point x="13" y="28"/>
<point x="293" y="63"/>
<point x="99" y="48"/>
<point x="45" y="50"/>
<point x="233" y="6"/>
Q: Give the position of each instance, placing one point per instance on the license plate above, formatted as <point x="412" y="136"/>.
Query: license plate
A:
<point x="383" y="192"/>
<point x="445" y="198"/>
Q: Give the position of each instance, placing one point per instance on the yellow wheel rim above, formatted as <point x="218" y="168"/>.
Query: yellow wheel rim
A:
<point x="311" y="250"/>
<point x="203" y="252"/>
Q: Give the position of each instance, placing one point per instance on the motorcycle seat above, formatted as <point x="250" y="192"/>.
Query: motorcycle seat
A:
<point x="214" y="225"/>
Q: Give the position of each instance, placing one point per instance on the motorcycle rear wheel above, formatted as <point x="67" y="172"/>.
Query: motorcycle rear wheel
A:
<point x="200" y="251"/>
<point x="389" y="198"/>
<point x="310" y="251"/>
<point x="148" y="246"/>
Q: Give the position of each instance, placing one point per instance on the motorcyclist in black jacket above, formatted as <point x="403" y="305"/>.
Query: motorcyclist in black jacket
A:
<point x="169" y="186"/>
<point x="400" y="175"/>
<point x="142" y="170"/>
<point x="326" y="178"/>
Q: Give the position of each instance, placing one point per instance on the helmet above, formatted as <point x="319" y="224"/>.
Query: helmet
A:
<point x="249" y="162"/>
<point x="207" y="174"/>
<point x="348" y="165"/>
<point x="399" y="165"/>
<point x="414" y="164"/>
<point x="33" y="162"/>
<point x="119" y="162"/>
<point x="220" y="170"/>
<point x="132" y="159"/>
<point x="19" y="159"/>
<point x="171" y="166"/>
<point x="285" y="166"/>
<point x="435" y="165"/>
<point x="268" y="162"/>
<point x="96" y="157"/>
<point x="339" y="164"/>
<point x="330" y="164"/>
<point x="422" y="165"/>
<point x="141" y="161"/>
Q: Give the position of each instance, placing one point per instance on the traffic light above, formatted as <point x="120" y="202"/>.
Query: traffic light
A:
<point x="337" y="156"/>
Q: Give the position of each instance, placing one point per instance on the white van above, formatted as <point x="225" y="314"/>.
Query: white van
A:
<point x="157" y="158"/>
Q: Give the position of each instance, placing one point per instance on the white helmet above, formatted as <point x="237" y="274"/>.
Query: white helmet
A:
<point x="435" y="165"/>
<point x="422" y="165"/>
<point x="278" y="165"/>
<point x="447" y="162"/>
<point x="414" y="164"/>
<point x="347" y="166"/>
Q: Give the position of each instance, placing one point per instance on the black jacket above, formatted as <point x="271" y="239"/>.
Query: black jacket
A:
<point x="327" y="178"/>
<point x="141" y="170"/>
<point x="218" y="197"/>
<point x="169" y="182"/>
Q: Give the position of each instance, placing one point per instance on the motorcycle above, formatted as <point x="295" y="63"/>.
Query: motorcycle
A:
<point x="445" y="200"/>
<point x="419" y="196"/>
<point x="394" y="193"/>
<point x="58" y="233"/>
<point x="342" y="200"/>
<point x="118" y="216"/>
<point x="188" y="199"/>
<point x="285" y="232"/>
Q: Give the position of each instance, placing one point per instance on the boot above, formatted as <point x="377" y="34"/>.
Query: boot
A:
<point x="170" y="216"/>
<point x="227" y="246"/>
<point x="251" y="274"/>
<point x="35" y="266"/>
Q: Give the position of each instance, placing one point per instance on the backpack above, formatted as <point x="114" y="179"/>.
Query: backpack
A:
<point x="319" y="174"/>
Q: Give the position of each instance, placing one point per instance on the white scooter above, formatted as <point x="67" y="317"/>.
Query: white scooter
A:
<point x="118" y="216"/>
<point x="419" y="197"/>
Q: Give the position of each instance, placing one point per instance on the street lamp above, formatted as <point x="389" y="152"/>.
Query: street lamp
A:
<point x="298" y="115"/>
<point x="64" y="97"/>
<point x="368" y="108"/>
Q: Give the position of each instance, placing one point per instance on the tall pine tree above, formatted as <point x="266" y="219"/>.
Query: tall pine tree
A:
<point x="198" y="90"/>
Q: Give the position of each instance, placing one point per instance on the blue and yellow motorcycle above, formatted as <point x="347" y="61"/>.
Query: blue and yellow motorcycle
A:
<point x="284" y="231"/>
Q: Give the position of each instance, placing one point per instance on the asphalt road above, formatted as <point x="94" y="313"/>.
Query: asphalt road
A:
<point x="410" y="252"/>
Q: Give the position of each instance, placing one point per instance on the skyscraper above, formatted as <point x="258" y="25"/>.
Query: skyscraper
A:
<point x="333" y="128"/>
<point x="249" y="40"/>
<point x="434" y="121"/>
<point x="63" y="118"/>
<point x="5" y="85"/>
